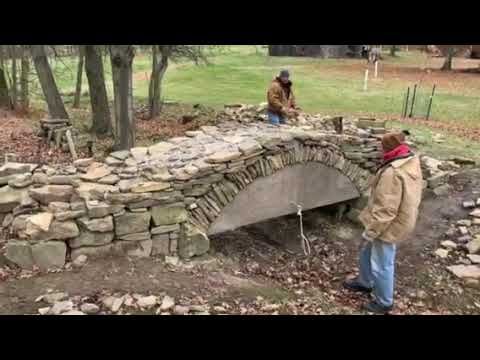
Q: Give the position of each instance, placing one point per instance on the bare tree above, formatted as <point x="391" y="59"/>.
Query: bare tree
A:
<point x="450" y="51"/>
<point x="116" y="100"/>
<point x="158" y="71"/>
<point x="393" y="50"/>
<point x="5" y="101"/>
<point x="14" y="84"/>
<point x="101" y="123"/>
<point x="78" y="87"/>
<point x="195" y="53"/>
<point x="24" y="75"/>
<point x="122" y="59"/>
<point x="54" y="101"/>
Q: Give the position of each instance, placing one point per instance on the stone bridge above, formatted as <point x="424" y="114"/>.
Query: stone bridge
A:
<point x="168" y="198"/>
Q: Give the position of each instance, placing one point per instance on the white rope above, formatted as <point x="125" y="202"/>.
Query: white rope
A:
<point x="304" y="240"/>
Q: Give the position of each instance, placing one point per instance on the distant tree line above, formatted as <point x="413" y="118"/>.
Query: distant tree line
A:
<point x="17" y="62"/>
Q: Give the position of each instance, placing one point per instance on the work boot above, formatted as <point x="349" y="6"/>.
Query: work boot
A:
<point x="376" y="308"/>
<point x="354" y="285"/>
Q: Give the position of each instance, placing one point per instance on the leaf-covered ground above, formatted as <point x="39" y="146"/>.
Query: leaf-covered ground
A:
<point x="19" y="132"/>
<point x="261" y="270"/>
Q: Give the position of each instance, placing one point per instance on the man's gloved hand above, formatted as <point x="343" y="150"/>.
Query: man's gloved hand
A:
<point x="366" y="237"/>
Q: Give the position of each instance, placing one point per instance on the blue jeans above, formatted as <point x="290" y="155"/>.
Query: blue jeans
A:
<point x="275" y="119"/>
<point x="377" y="270"/>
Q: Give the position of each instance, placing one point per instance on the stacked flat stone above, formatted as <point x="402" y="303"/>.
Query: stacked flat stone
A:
<point x="59" y="133"/>
<point x="159" y="200"/>
<point x="437" y="174"/>
<point x="247" y="114"/>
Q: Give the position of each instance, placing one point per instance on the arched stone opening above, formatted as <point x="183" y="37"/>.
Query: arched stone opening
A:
<point x="309" y="184"/>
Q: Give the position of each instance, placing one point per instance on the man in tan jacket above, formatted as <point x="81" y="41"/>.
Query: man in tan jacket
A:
<point x="281" y="101"/>
<point x="389" y="218"/>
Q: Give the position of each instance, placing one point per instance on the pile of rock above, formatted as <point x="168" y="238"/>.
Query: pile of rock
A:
<point x="374" y="126"/>
<point x="438" y="174"/>
<point x="246" y="114"/>
<point x="60" y="303"/>
<point x="464" y="242"/>
<point x="59" y="133"/>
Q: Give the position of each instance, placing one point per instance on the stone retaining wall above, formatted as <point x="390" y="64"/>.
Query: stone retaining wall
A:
<point x="160" y="200"/>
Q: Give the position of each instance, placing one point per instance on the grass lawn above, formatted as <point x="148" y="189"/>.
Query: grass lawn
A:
<point x="452" y="145"/>
<point x="241" y="74"/>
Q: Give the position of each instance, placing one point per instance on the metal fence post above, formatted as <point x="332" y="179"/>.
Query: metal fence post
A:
<point x="431" y="100"/>
<point x="405" y="105"/>
<point x="413" y="100"/>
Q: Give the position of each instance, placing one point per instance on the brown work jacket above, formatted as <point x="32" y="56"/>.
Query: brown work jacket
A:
<point x="396" y="193"/>
<point x="280" y="97"/>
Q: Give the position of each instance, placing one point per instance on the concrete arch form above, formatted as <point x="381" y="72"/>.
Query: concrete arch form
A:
<point x="271" y="187"/>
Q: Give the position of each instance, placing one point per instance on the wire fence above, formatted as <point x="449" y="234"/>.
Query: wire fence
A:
<point x="418" y="102"/>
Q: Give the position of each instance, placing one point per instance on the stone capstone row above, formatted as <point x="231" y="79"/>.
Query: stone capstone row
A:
<point x="160" y="200"/>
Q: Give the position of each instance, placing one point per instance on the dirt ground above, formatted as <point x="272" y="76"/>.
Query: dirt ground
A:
<point x="19" y="132"/>
<point x="427" y="64"/>
<point x="464" y="76"/>
<point x="260" y="269"/>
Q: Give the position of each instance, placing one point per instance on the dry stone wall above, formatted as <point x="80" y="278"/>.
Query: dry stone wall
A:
<point x="160" y="200"/>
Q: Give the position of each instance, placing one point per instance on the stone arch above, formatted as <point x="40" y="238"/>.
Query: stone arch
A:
<point x="166" y="199"/>
<point x="296" y="164"/>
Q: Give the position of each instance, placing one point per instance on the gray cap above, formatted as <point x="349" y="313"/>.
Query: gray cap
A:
<point x="284" y="73"/>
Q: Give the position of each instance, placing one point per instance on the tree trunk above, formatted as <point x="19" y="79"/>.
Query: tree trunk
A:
<point x="5" y="101"/>
<point x="393" y="50"/>
<point x="116" y="102"/>
<point x="122" y="58"/>
<point x="155" y="88"/>
<point x="14" y="85"/>
<point x="101" y="123"/>
<point x="4" y="95"/>
<point x="78" y="88"/>
<point x="154" y="66"/>
<point x="24" y="78"/>
<point x="54" y="101"/>
<point x="447" y="65"/>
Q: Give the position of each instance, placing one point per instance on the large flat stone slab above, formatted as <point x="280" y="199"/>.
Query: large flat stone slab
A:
<point x="12" y="168"/>
<point x="97" y="209"/>
<point x="94" y="191"/>
<point x="10" y="198"/>
<point x="49" y="254"/>
<point x="58" y="230"/>
<point x="51" y="193"/>
<point x="104" y="224"/>
<point x="223" y="156"/>
<point x="465" y="271"/>
<point x="195" y="243"/>
<point x="150" y="186"/>
<point x="93" y="251"/>
<point x="20" y="253"/>
<point x="132" y="223"/>
<point x="96" y="171"/>
<point x="139" y="249"/>
<point x="160" y="148"/>
<point x="90" y="238"/>
<point x="168" y="215"/>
